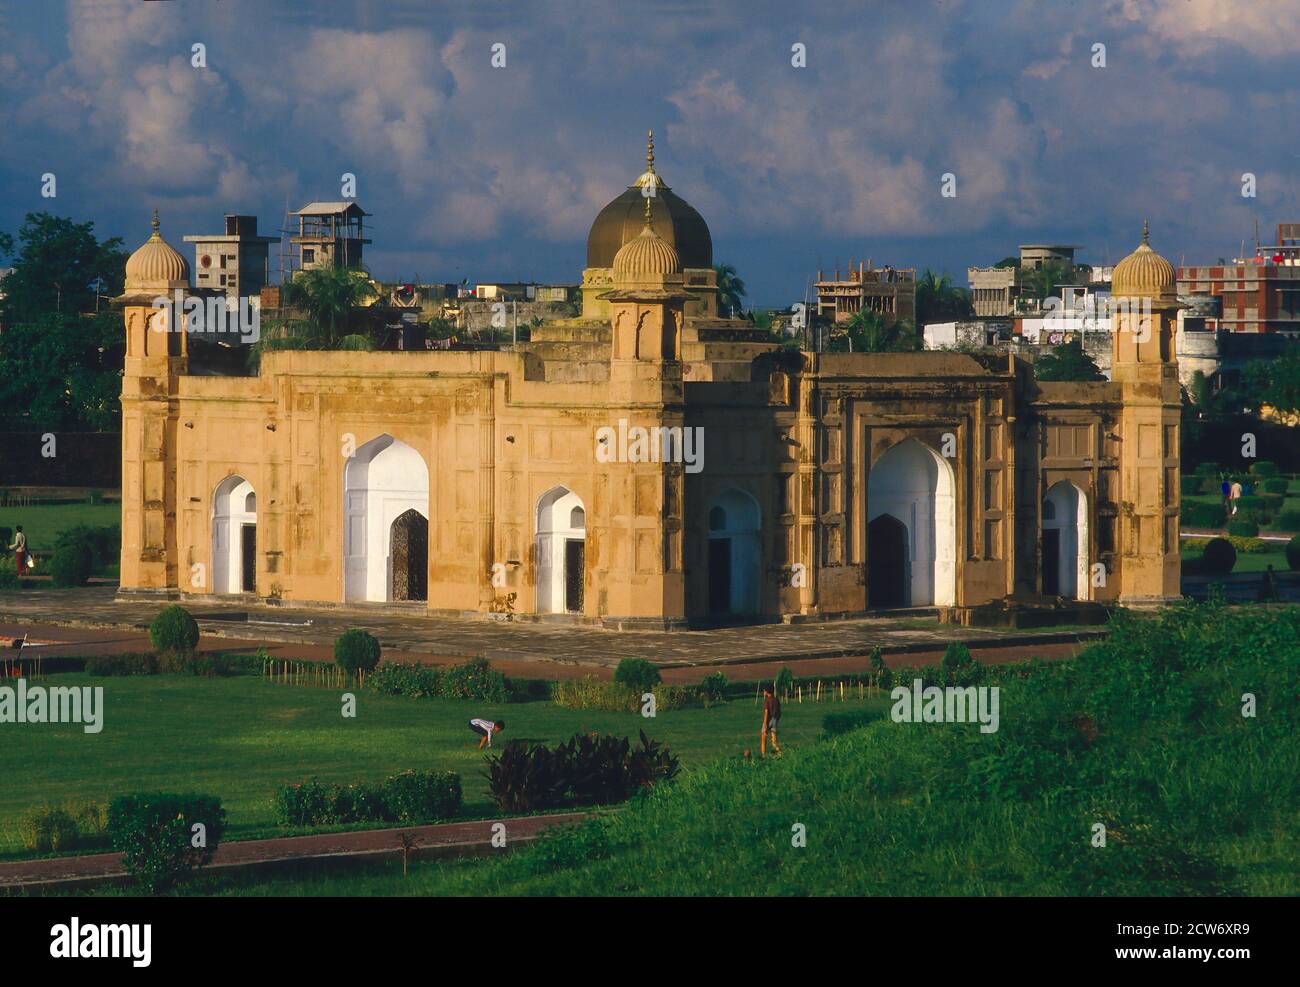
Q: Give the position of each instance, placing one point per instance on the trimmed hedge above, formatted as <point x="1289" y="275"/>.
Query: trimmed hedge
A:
<point x="1190" y="485"/>
<point x="116" y="665"/>
<point x="1207" y="469"/>
<point x="1276" y="485"/>
<point x="156" y="834"/>
<point x="475" y="679"/>
<point x="1288" y="520"/>
<point x="174" y="631"/>
<point x="1202" y="515"/>
<point x="637" y="674"/>
<point x="1243" y="529"/>
<point x="1219" y="557"/>
<point x="409" y="797"/>
<point x="71" y="565"/>
<point x="1264" y="468"/>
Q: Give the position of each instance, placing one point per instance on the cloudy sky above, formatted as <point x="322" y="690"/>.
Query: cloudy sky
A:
<point x="491" y="173"/>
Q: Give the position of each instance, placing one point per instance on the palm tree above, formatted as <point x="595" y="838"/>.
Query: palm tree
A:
<point x="327" y="296"/>
<point x="731" y="291"/>
<point x="939" y="300"/>
<point x="868" y="332"/>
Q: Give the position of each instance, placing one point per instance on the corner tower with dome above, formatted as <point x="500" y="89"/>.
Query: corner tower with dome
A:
<point x="768" y="484"/>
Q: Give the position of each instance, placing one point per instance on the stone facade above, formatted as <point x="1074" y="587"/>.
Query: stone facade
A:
<point x="792" y="484"/>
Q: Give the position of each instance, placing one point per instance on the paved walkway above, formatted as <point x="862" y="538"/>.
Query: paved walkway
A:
<point x="458" y="837"/>
<point x="554" y="646"/>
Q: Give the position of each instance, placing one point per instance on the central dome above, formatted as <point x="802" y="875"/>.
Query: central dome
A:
<point x="671" y="217"/>
<point x="156" y="265"/>
<point x="1143" y="273"/>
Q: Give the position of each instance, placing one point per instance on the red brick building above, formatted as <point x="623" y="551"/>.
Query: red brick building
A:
<point x="1256" y="294"/>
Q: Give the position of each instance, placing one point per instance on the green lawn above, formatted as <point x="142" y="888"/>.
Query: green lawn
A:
<point x="239" y="738"/>
<point x="43" y="522"/>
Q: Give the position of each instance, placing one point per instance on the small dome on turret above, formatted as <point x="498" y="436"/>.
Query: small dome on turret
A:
<point x="156" y="265"/>
<point x="1144" y="274"/>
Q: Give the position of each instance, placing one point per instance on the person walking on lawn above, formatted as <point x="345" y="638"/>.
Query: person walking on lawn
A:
<point x="771" y="720"/>
<point x="19" y="548"/>
<point x="486" y="728"/>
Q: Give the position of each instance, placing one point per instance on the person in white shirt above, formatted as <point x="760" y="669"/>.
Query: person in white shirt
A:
<point x="19" y="548"/>
<point x="486" y="728"/>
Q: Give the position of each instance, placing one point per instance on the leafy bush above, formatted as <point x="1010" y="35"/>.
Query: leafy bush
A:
<point x="410" y="797"/>
<point x="422" y="796"/>
<point x="356" y="650"/>
<point x="8" y="575"/>
<point x="713" y="688"/>
<point x="474" y="679"/>
<point x="47" y="828"/>
<point x="1243" y="529"/>
<point x="881" y="675"/>
<point x="1276" y="485"/>
<point x="958" y="667"/>
<point x="1264" y="468"/>
<point x="1293" y="554"/>
<point x="1196" y="515"/>
<point x="1288" y="520"/>
<point x="406" y="679"/>
<point x="209" y="666"/>
<point x="1207" y="469"/>
<point x="1219" y="557"/>
<point x="115" y="665"/>
<point x="155" y="835"/>
<point x="71" y="565"/>
<point x="1190" y="485"/>
<point x="590" y="693"/>
<point x="103" y="541"/>
<point x="637" y="674"/>
<point x="783" y="684"/>
<point x="585" y="770"/>
<point x="174" y="632"/>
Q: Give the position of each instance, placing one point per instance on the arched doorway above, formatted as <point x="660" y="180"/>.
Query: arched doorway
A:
<point x="914" y="485"/>
<point x="234" y="537"/>
<point x="561" y="552"/>
<point x="734" y="557"/>
<point x="1065" y="542"/>
<point x="409" y="538"/>
<point x="383" y="480"/>
<point x="887" y="563"/>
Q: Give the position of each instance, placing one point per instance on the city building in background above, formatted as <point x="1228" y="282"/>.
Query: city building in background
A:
<point x="887" y="291"/>
<point x="330" y="234"/>
<point x="237" y="261"/>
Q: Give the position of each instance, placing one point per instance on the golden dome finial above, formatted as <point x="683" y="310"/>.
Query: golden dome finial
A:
<point x="156" y="225"/>
<point x="650" y="151"/>
<point x="1146" y="233"/>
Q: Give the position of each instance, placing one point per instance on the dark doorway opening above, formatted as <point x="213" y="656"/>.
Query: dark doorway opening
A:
<point x="575" y="567"/>
<point x="719" y="575"/>
<point x="1052" y="562"/>
<point x="248" y="558"/>
<point x="410" y="556"/>
<point x="887" y="582"/>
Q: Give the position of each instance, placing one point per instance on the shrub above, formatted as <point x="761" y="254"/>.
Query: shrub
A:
<point x="1288" y="520"/>
<point x="406" y="679"/>
<point x="71" y="565"/>
<point x="1243" y="529"/>
<point x="590" y="693"/>
<point x="783" y="684"/>
<point x="1276" y="485"/>
<point x="958" y="667"/>
<point x="174" y="632"/>
<point x="104" y="542"/>
<point x="422" y="796"/>
<point x="1190" y="485"/>
<point x="1207" y="469"/>
<point x="586" y="770"/>
<point x="210" y="666"/>
<point x="155" y="835"/>
<point x="637" y="674"/>
<point x="475" y="679"/>
<point x="1202" y="515"/>
<point x="1219" y="557"/>
<point x="881" y="675"/>
<point x="1264" y="468"/>
<point x="1293" y="554"/>
<point x="356" y="650"/>
<point x="304" y="803"/>
<point x="713" y="689"/>
<point x="834" y="724"/>
<point x="129" y="664"/>
<point x="47" y="828"/>
<point x="1245" y="545"/>
<point x="8" y="575"/>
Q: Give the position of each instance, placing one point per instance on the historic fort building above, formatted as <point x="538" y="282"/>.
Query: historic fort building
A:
<point x="810" y="484"/>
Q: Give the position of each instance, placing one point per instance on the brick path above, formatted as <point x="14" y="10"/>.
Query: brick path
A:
<point x="560" y="649"/>
<point x="458" y="837"/>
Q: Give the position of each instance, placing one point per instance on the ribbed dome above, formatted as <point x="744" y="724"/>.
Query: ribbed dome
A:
<point x="1143" y="273"/>
<point x="671" y="216"/>
<point x="156" y="265"/>
<point x="647" y="255"/>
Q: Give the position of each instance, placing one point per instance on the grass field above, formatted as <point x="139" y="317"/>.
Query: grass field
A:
<point x="43" y="522"/>
<point x="239" y="738"/>
<point x="1145" y="734"/>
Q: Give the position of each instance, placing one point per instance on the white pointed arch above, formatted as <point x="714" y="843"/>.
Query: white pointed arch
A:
<point x="561" y="533"/>
<point x="382" y="480"/>
<point x="234" y="505"/>
<point x="914" y="484"/>
<point x="1065" y="521"/>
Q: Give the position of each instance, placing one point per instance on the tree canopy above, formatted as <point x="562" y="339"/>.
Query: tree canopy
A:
<point x="939" y="300"/>
<point x="1069" y="362"/>
<point x="58" y="266"/>
<point x="868" y="332"/>
<point x="731" y="292"/>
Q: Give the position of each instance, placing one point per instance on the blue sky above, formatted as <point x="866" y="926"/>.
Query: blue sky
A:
<point x="496" y="173"/>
